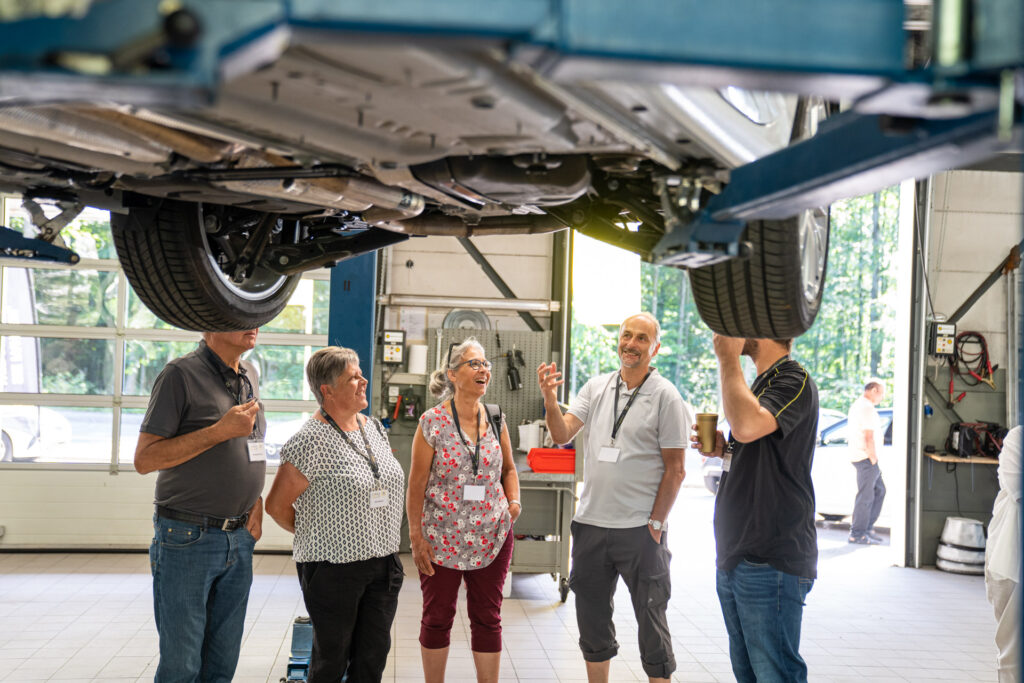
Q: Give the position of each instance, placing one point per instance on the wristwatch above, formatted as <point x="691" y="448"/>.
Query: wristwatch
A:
<point x="658" y="526"/>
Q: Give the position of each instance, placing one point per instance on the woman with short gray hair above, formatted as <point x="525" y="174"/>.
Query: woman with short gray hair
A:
<point x="339" y="490"/>
<point x="462" y="501"/>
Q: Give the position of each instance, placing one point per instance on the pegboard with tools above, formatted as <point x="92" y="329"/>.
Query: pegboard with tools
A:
<point x="523" y="351"/>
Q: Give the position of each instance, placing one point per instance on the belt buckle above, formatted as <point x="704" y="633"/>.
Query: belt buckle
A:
<point x="225" y="525"/>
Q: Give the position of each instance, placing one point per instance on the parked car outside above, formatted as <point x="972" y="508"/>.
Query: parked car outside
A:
<point x="711" y="468"/>
<point x="26" y="431"/>
<point x="835" y="480"/>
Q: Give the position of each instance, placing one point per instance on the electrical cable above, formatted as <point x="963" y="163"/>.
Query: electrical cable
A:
<point x="951" y="468"/>
<point x="970" y="361"/>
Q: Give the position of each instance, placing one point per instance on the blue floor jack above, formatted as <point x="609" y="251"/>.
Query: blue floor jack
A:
<point x="302" y="649"/>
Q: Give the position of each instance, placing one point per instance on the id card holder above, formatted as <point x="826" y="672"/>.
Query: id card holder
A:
<point x="608" y="454"/>
<point x="472" y="492"/>
<point x="378" y="498"/>
<point x="257" y="450"/>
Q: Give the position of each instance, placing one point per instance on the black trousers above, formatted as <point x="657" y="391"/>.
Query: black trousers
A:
<point x="351" y="607"/>
<point x="870" y="495"/>
<point x="599" y="557"/>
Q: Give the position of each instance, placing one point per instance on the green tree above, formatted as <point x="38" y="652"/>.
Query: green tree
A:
<point x="851" y="339"/>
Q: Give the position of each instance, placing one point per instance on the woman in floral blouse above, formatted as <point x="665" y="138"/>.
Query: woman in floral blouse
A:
<point x="462" y="500"/>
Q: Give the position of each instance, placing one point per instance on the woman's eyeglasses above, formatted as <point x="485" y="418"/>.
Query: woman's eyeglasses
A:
<point x="476" y="364"/>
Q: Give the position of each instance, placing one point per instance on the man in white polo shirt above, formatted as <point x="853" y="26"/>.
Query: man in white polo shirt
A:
<point x="865" y="434"/>
<point x="635" y="430"/>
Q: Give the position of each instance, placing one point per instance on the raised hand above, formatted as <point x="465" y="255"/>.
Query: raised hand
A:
<point x="727" y="347"/>
<point x="549" y="379"/>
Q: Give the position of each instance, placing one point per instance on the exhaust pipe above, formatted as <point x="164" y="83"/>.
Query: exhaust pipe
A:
<point x="450" y="226"/>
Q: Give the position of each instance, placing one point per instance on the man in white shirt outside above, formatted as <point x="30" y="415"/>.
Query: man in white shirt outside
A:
<point x="865" y="435"/>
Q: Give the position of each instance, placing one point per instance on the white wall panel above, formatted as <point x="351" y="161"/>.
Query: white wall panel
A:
<point x="976" y="219"/>
<point x="441" y="267"/>
<point x="45" y="508"/>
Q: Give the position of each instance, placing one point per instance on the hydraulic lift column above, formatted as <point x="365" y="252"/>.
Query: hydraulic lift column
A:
<point x="351" y="314"/>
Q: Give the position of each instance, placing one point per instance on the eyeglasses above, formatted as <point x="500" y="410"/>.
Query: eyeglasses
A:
<point x="476" y="364"/>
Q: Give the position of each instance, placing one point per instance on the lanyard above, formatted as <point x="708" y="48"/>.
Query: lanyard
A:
<point x="475" y="452"/>
<point x="215" y="362"/>
<point x="368" y="456"/>
<point x="617" y="421"/>
<point x="217" y="365"/>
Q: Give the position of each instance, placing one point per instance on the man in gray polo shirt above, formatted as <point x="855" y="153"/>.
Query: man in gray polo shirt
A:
<point x="203" y="434"/>
<point x="635" y="430"/>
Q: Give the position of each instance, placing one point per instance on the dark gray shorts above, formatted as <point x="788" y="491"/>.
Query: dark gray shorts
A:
<point x="599" y="557"/>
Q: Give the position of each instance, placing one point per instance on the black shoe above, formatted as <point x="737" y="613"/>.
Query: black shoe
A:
<point x="862" y="540"/>
<point x="875" y="537"/>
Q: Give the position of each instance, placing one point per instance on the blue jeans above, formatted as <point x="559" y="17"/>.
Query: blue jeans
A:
<point x="201" y="580"/>
<point x="763" y="608"/>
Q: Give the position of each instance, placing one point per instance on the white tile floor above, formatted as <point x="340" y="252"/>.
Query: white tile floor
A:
<point x="88" y="617"/>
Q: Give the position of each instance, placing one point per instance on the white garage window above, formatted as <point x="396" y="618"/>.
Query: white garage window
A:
<point x="79" y="353"/>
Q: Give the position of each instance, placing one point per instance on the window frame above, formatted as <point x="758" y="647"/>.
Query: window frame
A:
<point x="121" y="334"/>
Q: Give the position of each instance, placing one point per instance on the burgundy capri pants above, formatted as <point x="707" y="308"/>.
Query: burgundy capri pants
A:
<point x="483" y="602"/>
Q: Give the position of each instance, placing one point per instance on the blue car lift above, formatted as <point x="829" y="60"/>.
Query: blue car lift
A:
<point x="903" y="122"/>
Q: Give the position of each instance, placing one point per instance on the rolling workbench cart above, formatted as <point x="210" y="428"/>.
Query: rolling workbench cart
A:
<point x="549" y="502"/>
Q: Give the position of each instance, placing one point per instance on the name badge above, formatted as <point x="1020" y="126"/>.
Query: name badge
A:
<point x="378" y="498"/>
<point x="472" y="492"/>
<point x="257" y="451"/>
<point x="608" y="454"/>
<point x="726" y="461"/>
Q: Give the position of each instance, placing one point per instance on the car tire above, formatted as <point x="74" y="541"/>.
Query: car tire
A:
<point x="173" y="267"/>
<point x="6" y="448"/>
<point x="776" y="292"/>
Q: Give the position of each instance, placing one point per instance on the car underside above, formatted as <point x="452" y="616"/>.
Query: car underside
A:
<point x="334" y="148"/>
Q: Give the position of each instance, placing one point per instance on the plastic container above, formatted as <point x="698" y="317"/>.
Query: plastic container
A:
<point x="552" y="460"/>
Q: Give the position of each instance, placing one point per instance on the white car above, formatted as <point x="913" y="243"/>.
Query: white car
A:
<point x="711" y="469"/>
<point x="25" y="430"/>
<point x="835" y="479"/>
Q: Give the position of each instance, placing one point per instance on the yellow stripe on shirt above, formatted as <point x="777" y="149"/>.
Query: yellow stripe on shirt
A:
<point x="769" y="385"/>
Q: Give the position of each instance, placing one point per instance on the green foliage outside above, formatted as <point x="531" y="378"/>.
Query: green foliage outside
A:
<point x="88" y="298"/>
<point x="852" y="338"/>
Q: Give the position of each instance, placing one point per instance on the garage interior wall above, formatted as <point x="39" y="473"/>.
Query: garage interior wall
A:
<point x="976" y="217"/>
<point x="51" y="506"/>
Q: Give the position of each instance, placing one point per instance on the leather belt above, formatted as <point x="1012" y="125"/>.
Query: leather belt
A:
<point x="205" y="521"/>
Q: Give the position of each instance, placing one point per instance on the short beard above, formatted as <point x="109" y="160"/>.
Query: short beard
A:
<point x="750" y="348"/>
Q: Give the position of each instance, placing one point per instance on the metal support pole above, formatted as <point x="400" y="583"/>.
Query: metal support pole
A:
<point x="351" y="312"/>
<point x="493" y="276"/>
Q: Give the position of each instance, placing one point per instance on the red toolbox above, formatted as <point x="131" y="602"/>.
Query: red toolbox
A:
<point x="552" y="460"/>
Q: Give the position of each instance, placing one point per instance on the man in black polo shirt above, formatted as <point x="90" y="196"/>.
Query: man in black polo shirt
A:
<point x="764" y="511"/>
<point x="203" y="433"/>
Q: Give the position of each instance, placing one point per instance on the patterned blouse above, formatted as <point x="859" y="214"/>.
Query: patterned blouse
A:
<point x="464" y="534"/>
<point x="333" y="518"/>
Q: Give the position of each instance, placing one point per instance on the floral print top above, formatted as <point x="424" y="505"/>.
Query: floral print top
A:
<point x="464" y="534"/>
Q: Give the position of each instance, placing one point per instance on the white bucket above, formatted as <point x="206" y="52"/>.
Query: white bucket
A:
<point x="964" y="532"/>
<point x="530" y="436"/>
